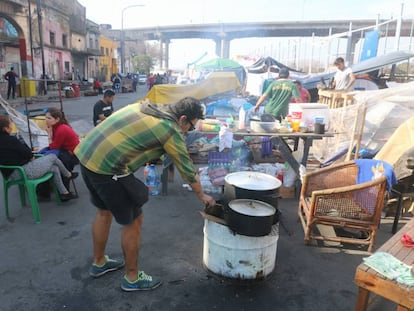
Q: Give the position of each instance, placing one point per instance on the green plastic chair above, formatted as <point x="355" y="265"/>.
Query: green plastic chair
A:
<point x="31" y="185"/>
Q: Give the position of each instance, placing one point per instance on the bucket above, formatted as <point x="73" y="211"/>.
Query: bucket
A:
<point x="236" y="256"/>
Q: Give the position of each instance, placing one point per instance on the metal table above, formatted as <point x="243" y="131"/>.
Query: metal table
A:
<point x="279" y="139"/>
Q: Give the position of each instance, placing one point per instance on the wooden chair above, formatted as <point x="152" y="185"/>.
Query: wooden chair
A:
<point x="330" y="196"/>
<point x="30" y="185"/>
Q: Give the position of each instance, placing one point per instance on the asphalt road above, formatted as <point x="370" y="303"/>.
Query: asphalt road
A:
<point x="45" y="266"/>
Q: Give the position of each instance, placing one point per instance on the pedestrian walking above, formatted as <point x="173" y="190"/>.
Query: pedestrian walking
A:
<point x="11" y="77"/>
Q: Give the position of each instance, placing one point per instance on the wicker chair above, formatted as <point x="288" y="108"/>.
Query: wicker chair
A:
<point x="330" y="196"/>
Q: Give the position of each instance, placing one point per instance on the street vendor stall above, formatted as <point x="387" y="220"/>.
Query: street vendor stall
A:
<point x="280" y="140"/>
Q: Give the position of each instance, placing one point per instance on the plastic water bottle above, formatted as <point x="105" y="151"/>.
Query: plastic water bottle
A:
<point x="153" y="180"/>
<point x="146" y="169"/>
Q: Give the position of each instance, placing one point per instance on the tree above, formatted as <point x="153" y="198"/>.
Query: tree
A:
<point x="143" y="63"/>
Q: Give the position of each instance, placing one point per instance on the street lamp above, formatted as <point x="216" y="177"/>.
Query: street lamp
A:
<point x="122" y="34"/>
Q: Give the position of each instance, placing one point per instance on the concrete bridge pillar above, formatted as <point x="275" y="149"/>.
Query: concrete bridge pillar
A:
<point x="164" y="49"/>
<point x="222" y="47"/>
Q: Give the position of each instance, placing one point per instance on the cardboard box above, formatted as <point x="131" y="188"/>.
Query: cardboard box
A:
<point x="287" y="192"/>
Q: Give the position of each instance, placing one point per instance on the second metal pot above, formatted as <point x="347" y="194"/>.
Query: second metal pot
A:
<point x="250" y="217"/>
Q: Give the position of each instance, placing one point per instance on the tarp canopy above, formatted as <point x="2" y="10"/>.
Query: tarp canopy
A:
<point x="215" y="83"/>
<point x="365" y="66"/>
<point x="263" y="64"/>
<point x="218" y="64"/>
<point x="222" y="65"/>
<point x="386" y="110"/>
<point x="399" y="148"/>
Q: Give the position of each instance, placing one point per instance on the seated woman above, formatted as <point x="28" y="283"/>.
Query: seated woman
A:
<point x="62" y="138"/>
<point x="13" y="152"/>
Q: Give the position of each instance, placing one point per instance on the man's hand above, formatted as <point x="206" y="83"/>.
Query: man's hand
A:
<point x="208" y="200"/>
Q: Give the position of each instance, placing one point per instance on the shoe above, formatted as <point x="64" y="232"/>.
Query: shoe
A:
<point x="110" y="265"/>
<point x="74" y="175"/>
<point x="143" y="282"/>
<point x="67" y="196"/>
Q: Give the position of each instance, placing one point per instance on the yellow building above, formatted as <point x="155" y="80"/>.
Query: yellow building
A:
<point x="107" y="60"/>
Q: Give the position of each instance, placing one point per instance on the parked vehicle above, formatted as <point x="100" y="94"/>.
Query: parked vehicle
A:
<point x="142" y="79"/>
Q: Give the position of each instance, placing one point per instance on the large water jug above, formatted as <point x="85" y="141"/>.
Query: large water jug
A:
<point x="153" y="180"/>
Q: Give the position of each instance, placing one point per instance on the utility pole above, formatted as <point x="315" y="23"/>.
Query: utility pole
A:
<point x="39" y="17"/>
<point x="31" y="36"/>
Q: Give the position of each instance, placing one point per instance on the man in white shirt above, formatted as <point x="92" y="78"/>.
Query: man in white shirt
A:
<point x="344" y="78"/>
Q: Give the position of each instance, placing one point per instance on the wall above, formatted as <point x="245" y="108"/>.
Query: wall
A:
<point x="107" y="63"/>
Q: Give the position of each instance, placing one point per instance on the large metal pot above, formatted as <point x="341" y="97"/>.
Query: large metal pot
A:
<point x="250" y="217"/>
<point x="251" y="185"/>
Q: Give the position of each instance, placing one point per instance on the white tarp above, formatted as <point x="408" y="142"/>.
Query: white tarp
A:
<point x="387" y="109"/>
<point x="39" y="136"/>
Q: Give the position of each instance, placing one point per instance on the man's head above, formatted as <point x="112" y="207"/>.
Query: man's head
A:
<point x="188" y="111"/>
<point x="11" y="68"/>
<point x="109" y="96"/>
<point x="298" y="83"/>
<point x="283" y="73"/>
<point x="339" y="63"/>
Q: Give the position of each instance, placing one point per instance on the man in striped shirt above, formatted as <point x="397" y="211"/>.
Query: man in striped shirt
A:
<point x="111" y="153"/>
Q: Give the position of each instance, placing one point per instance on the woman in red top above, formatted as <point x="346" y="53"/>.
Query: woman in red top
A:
<point x="62" y="138"/>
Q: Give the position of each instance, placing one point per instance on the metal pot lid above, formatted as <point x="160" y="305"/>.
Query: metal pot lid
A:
<point x="253" y="180"/>
<point x="252" y="207"/>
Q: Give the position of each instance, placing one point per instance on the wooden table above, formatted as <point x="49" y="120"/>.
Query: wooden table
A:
<point x="369" y="280"/>
<point x="278" y="139"/>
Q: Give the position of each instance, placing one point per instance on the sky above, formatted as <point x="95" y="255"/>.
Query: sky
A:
<point x="147" y="13"/>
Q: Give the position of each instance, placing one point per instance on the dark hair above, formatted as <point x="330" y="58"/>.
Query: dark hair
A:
<point x="339" y="60"/>
<point x="11" y="68"/>
<point x="283" y="73"/>
<point x="4" y="122"/>
<point x="189" y="107"/>
<point x="109" y="93"/>
<point x="58" y="114"/>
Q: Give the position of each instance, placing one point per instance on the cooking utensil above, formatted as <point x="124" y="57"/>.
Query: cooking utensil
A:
<point x="250" y="217"/>
<point x="251" y="185"/>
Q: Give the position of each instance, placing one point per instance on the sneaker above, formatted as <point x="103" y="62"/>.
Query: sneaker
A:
<point x="110" y="265"/>
<point x="143" y="282"/>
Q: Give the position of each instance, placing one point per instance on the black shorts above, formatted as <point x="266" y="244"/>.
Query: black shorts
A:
<point x="124" y="196"/>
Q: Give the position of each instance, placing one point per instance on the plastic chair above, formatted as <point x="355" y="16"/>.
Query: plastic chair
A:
<point x="31" y="185"/>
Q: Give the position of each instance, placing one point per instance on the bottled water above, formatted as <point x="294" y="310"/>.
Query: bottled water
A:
<point x="146" y="169"/>
<point x="153" y="180"/>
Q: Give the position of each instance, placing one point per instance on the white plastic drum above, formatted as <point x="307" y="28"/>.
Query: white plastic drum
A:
<point x="238" y="256"/>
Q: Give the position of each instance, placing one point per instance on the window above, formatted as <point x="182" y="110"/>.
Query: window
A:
<point x="52" y="38"/>
<point x="96" y="44"/>
<point x="90" y="43"/>
<point x="67" y="66"/>
<point x="107" y="52"/>
<point x="64" y="41"/>
<point x="102" y="51"/>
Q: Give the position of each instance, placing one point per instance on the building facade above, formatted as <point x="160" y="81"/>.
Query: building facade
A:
<point x="52" y="37"/>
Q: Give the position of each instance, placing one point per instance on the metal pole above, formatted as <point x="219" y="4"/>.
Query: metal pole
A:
<point x="39" y="17"/>
<point x="122" y="39"/>
<point x="31" y="36"/>
<point x="398" y="29"/>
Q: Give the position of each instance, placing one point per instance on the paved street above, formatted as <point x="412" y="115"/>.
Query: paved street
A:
<point x="45" y="266"/>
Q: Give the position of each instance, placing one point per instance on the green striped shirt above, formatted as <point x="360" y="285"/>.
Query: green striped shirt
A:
<point x="128" y="139"/>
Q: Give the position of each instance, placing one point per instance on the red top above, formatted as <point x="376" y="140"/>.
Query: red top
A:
<point x="64" y="137"/>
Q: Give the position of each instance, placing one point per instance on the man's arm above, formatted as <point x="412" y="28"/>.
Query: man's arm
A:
<point x="352" y="79"/>
<point x="259" y="102"/>
<point x="206" y="199"/>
